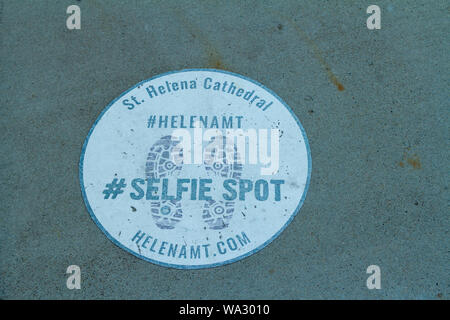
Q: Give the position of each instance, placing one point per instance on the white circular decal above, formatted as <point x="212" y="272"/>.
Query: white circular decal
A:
<point x="195" y="168"/>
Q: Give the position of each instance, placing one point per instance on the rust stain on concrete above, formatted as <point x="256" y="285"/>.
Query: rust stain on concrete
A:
<point x="214" y="58"/>
<point x="413" y="160"/>
<point x="316" y="51"/>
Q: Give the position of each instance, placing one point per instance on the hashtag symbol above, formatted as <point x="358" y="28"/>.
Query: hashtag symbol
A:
<point x="151" y="121"/>
<point x="114" y="188"/>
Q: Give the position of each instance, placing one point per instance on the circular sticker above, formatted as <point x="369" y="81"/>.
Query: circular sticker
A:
<point x="195" y="168"/>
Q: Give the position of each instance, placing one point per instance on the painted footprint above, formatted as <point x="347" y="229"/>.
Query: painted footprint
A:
<point x="217" y="214"/>
<point x="165" y="213"/>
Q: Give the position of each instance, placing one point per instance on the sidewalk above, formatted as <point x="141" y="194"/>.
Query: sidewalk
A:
<point x="374" y="105"/>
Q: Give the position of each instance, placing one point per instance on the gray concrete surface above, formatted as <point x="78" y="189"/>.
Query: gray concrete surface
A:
<point x="380" y="145"/>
